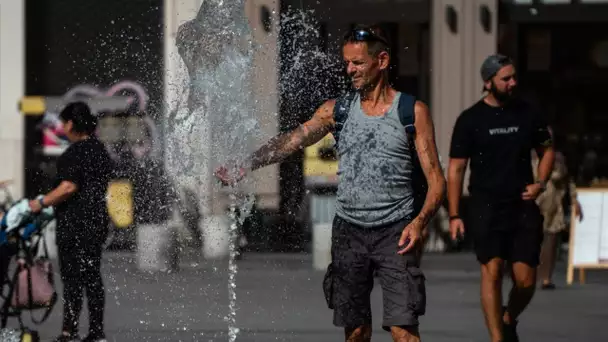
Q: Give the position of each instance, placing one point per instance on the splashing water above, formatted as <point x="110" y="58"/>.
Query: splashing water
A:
<point x="10" y="335"/>
<point x="309" y="75"/>
<point x="215" y="123"/>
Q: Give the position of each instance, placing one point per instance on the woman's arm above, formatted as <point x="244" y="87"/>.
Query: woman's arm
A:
<point x="56" y="196"/>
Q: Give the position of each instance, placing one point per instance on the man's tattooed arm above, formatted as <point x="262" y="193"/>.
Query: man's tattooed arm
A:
<point x="429" y="161"/>
<point x="283" y="145"/>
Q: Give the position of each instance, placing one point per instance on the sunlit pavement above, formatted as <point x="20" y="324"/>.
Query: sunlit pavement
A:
<point x="280" y="299"/>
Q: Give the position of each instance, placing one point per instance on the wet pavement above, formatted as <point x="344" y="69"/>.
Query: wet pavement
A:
<point x="279" y="298"/>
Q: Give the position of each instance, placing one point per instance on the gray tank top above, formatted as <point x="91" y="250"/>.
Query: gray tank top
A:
<point x="375" y="168"/>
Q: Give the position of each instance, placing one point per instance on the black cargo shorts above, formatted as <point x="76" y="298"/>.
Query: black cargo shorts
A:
<point x="360" y="254"/>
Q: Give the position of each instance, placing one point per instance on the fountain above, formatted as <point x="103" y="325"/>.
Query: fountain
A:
<point x="214" y="122"/>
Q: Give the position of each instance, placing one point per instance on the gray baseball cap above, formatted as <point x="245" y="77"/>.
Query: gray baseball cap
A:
<point x="492" y="64"/>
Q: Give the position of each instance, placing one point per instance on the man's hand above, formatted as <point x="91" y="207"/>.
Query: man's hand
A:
<point x="230" y="176"/>
<point x="411" y="235"/>
<point x="456" y="228"/>
<point x="532" y="192"/>
<point x="35" y="206"/>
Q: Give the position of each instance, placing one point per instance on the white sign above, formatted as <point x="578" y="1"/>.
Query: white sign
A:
<point x="589" y="239"/>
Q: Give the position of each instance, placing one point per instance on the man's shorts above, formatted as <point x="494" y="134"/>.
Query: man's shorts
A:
<point x="512" y="231"/>
<point x="360" y="254"/>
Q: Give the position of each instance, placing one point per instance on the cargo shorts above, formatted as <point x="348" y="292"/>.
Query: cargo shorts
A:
<point x="358" y="256"/>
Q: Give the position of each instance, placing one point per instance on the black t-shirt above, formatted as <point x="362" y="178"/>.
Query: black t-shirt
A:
<point x="84" y="216"/>
<point x="498" y="141"/>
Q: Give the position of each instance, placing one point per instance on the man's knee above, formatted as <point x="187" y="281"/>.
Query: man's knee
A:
<point x="405" y="333"/>
<point x="362" y="333"/>
<point x="492" y="270"/>
<point x="524" y="276"/>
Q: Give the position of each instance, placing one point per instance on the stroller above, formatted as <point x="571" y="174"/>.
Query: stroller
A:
<point x="30" y="286"/>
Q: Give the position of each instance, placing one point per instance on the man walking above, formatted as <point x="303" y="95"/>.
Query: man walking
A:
<point x="497" y="134"/>
<point x="381" y="134"/>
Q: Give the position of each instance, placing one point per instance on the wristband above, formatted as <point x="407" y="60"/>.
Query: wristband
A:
<point x="41" y="201"/>
<point x="455" y="217"/>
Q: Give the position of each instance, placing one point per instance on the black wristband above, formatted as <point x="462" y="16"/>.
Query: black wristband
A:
<point x="455" y="217"/>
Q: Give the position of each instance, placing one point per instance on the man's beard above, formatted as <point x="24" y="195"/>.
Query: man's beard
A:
<point x="501" y="96"/>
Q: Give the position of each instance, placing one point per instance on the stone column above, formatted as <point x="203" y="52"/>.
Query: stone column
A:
<point x="265" y="92"/>
<point x="459" y="43"/>
<point x="12" y="88"/>
<point x="212" y="199"/>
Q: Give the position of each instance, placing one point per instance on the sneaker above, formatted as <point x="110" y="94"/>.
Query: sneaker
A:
<point x="92" y="338"/>
<point x="547" y="286"/>
<point x="66" y="338"/>
<point x="509" y="332"/>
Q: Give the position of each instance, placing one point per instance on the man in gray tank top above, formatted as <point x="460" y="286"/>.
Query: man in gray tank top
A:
<point x="377" y="229"/>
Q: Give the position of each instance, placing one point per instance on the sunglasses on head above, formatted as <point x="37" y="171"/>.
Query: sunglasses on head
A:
<point x="365" y="35"/>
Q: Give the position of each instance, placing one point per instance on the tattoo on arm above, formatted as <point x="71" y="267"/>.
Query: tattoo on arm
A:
<point x="278" y="148"/>
<point x="429" y="161"/>
<point x="283" y="145"/>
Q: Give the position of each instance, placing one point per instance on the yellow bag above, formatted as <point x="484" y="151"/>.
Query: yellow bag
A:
<point x="120" y="203"/>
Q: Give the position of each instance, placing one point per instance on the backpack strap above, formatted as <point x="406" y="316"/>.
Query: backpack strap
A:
<point x="341" y="109"/>
<point x="406" y="113"/>
<point x="407" y="117"/>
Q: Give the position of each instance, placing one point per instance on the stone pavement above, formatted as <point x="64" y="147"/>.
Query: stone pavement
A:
<point x="280" y="299"/>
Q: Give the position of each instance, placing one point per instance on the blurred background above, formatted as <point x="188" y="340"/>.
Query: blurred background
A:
<point x="57" y="49"/>
<point x="120" y="57"/>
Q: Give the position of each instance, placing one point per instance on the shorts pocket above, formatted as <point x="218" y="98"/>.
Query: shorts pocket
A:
<point x="417" y="291"/>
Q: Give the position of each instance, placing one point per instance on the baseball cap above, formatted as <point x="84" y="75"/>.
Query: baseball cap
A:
<point x="492" y="64"/>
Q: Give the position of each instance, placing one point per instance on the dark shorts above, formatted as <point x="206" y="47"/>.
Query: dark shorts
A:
<point x="510" y="231"/>
<point x="360" y="254"/>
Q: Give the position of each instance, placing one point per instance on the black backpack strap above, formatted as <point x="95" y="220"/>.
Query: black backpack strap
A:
<point x="407" y="117"/>
<point x="406" y="112"/>
<point x="341" y="109"/>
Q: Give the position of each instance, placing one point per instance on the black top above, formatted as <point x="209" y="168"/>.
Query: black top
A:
<point x="84" y="216"/>
<point x="498" y="142"/>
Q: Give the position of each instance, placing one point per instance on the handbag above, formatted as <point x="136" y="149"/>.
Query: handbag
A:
<point x="33" y="285"/>
<point x="33" y="288"/>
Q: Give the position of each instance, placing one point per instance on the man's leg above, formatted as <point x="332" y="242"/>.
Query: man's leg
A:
<point x="491" y="296"/>
<point x="361" y="333"/>
<point x="405" y="334"/>
<point x="525" y="257"/>
<point x="352" y="281"/>
<point x="524" y="284"/>
<point x="402" y="281"/>
<point x="490" y="239"/>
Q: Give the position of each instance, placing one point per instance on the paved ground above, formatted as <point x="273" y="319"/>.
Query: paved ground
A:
<point x="280" y="299"/>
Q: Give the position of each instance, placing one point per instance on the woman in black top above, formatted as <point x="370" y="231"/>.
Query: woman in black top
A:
<point x="79" y="197"/>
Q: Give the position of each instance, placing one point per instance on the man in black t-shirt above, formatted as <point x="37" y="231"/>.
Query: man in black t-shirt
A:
<point x="497" y="135"/>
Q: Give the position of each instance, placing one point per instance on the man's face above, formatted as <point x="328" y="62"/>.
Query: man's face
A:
<point x="363" y="69"/>
<point x="504" y="83"/>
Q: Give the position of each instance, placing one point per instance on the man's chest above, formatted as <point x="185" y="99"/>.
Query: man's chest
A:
<point x="502" y="133"/>
<point x="366" y="135"/>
